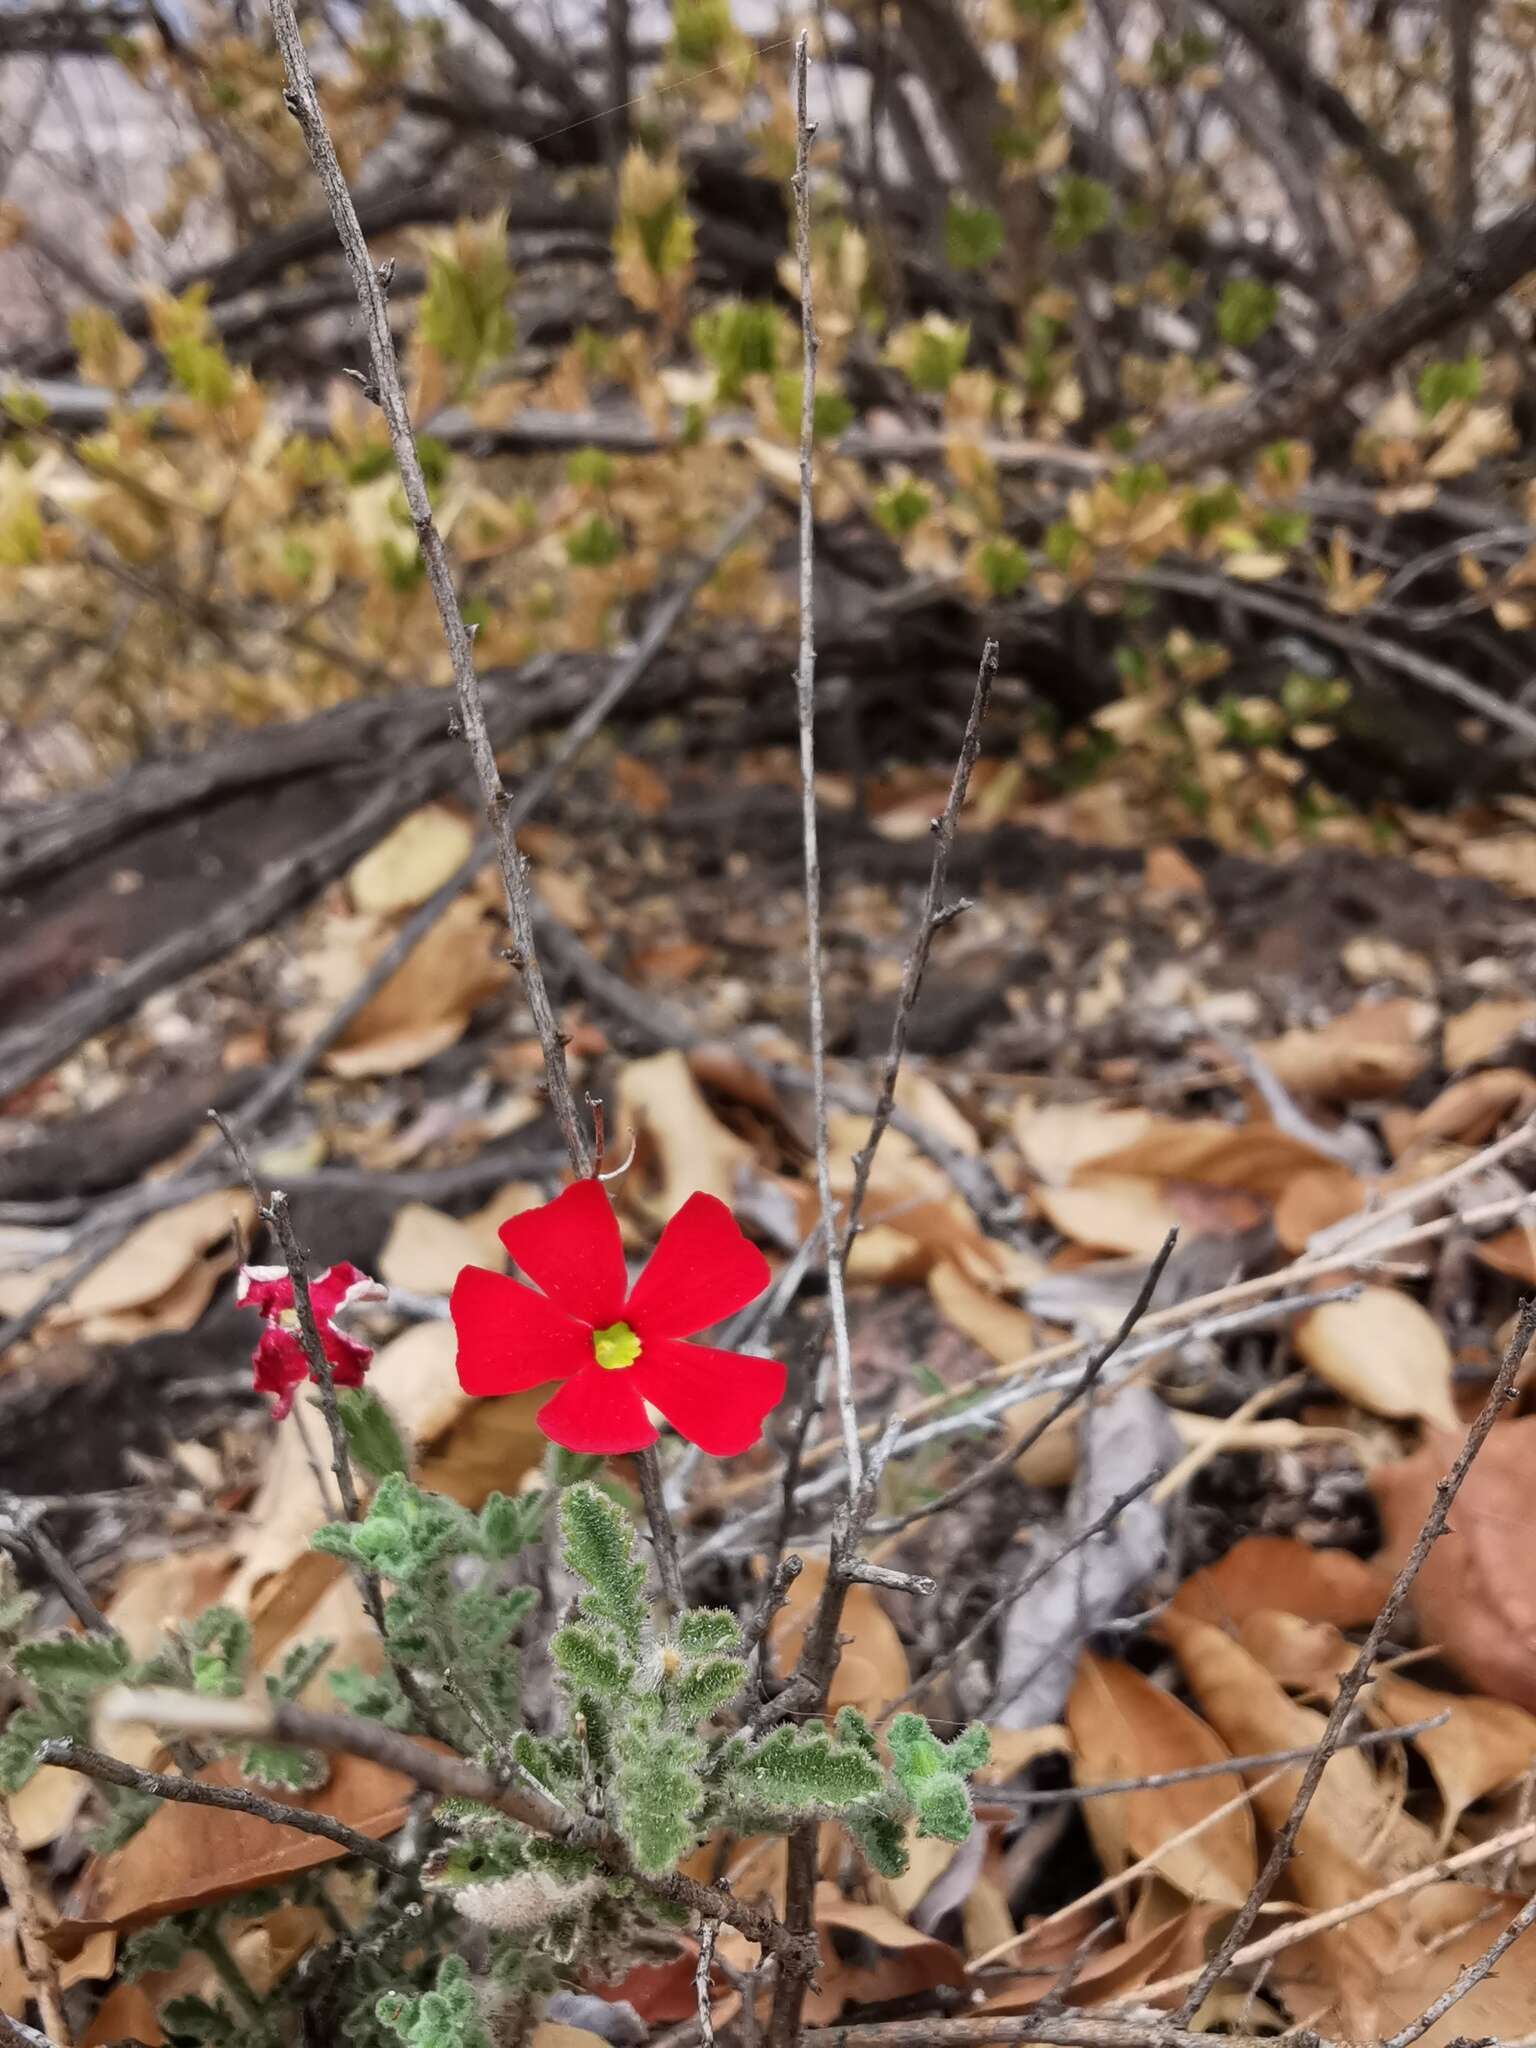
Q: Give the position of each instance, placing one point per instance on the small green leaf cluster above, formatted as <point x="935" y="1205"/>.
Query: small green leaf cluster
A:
<point x="63" y="1674"/>
<point x="457" y="1637"/>
<point x="447" y="2016"/>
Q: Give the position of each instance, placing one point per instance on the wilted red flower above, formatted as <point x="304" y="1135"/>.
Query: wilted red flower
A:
<point x="280" y="1366"/>
<point x="616" y="1346"/>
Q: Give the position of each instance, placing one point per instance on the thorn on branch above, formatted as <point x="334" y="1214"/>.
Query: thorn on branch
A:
<point x="292" y="103"/>
<point x="365" y="384"/>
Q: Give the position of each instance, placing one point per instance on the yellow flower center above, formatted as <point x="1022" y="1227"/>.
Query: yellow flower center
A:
<point x="616" y="1347"/>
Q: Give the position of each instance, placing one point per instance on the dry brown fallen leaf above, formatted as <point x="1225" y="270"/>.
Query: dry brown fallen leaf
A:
<point x="426" y="1251"/>
<point x="1487" y="1028"/>
<point x="1166" y="872"/>
<point x="1474" y="1594"/>
<point x="1372" y="1050"/>
<point x="1444" y="1928"/>
<point x="686" y="1148"/>
<point x="1256" y="1158"/>
<point x="160" y="1278"/>
<point x="411" y="862"/>
<point x="1511" y="1251"/>
<point x="912" y="1215"/>
<point x="1061" y="1137"/>
<point x="186" y="1857"/>
<point x="1124" y="1726"/>
<point x="1007" y="1333"/>
<point x="426" y="1005"/>
<point x="1315" y="1201"/>
<point x="1383" y="1352"/>
<point x="873" y="1670"/>
<point x="264" y="1949"/>
<point x="1013" y="1748"/>
<point x="904" y="1961"/>
<point x="1483" y="1746"/>
<point x="1119" y="1212"/>
<point x="1109" y="1974"/>
<point x="1508" y="859"/>
<point x="1279" y="1571"/>
<point x="1474" y="1109"/>
<point x="15" y="1989"/>
<point x="1354" y="1832"/>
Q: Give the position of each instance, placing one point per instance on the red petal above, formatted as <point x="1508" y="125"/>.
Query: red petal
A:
<point x="328" y="1290"/>
<point x="349" y="1360"/>
<point x="571" y="1248"/>
<point x="598" y="1413"/>
<point x="511" y="1338"/>
<point x="267" y="1289"/>
<point x="717" y="1399"/>
<point x="701" y="1270"/>
<point x="278" y="1366"/>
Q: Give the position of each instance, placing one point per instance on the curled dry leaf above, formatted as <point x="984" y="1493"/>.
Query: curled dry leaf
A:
<point x="1305" y="1656"/>
<point x="1353" y="1832"/>
<point x="687" y="1148"/>
<point x="1374" y="1049"/>
<point x="1487" y="1028"/>
<point x="1124" y="1726"/>
<point x="1484" y="1745"/>
<point x="1474" y="1109"/>
<point x="426" y="1005"/>
<point x="912" y="1214"/>
<point x="1109" y="1974"/>
<point x="873" y="1670"/>
<point x="411" y="862"/>
<point x="187" y="1857"/>
<point x="1004" y="1332"/>
<point x="1474" y="1595"/>
<point x="1278" y="1571"/>
<point x="879" y="1956"/>
<point x="1383" y="1352"/>
<point x="1327" y="1984"/>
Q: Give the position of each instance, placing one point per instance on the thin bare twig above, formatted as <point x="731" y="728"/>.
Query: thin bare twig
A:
<point x="783" y="1576"/>
<point x="109" y="1770"/>
<point x="1354" y="1680"/>
<point x="1073" y="1795"/>
<point x="17" y="2034"/>
<point x="935" y="913"/>
<point x="805" y="701"/>
<point x="1004" y="1462"/>
<point x="708" y="1935"/>
<point x="1075" y="1542"/>
<point x="304" y="103"/>
<point x="1467" y="1979"/>
<point x="37" y="1958"/>
<point x="21" y="1528"/>
<point x="445" y="1773"/>
<point x="663" y="1534"/>
<point x="1295" y="1932"/>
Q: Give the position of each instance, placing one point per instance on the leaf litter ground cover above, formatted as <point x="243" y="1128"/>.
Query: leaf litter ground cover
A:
<point x="1284" y="1130"/>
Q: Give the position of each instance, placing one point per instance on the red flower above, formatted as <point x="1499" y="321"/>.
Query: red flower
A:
<point x="616" y="1346"/>
<point x="280" y="1366"/>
